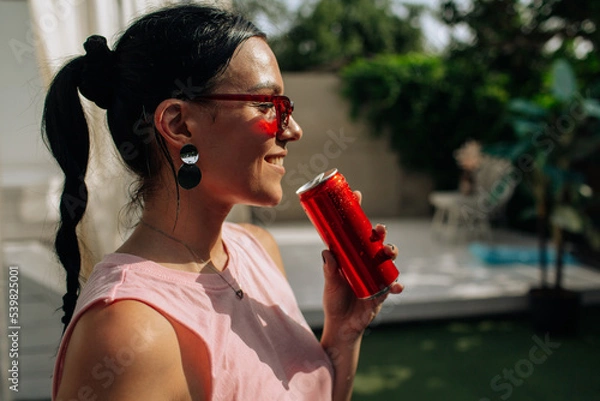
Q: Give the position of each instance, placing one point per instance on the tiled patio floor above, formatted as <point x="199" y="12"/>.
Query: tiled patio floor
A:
<point x="442" y="279"/>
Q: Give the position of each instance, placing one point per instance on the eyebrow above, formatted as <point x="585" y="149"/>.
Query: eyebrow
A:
<point x="266" y="85"/>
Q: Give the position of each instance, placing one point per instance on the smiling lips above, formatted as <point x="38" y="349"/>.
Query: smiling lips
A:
<point x="276" y="160"/>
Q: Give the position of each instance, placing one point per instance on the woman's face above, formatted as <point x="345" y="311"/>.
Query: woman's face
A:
<point x="241" y="152"/>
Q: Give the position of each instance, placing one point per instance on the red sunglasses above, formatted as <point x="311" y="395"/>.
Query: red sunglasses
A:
<point x="283" y="105"/>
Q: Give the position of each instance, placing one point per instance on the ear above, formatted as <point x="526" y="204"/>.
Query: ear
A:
<point x="170" y="122"/>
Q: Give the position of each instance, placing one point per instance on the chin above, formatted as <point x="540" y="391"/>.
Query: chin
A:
<point x="269" y="198"/>
<point x="273" y="200"/>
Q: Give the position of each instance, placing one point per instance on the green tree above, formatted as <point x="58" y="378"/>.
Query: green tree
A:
<point x="520" y="40"/>
<point x="463" y="93"/>
<point x="426" y="108"/>
<point x="523" y="38"/>
<point x="335" y="32"/>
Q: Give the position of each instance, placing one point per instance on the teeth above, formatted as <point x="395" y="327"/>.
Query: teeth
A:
<point x="275" y="160"/>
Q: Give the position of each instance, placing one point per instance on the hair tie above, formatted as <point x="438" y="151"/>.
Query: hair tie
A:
<point x="98" y="75"/>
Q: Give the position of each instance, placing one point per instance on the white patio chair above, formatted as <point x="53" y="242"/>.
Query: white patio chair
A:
<point x="458" y="216"/>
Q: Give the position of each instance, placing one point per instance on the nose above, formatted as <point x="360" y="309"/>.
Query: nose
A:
<point x="293" y="132"/>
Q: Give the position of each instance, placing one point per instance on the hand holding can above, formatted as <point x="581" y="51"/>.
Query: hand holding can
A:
<point x="343" y="226"/>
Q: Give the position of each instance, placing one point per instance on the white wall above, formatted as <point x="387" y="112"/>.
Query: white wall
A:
<point x="332" y="140"/>
<point x="26" y="166"/>
<point x="21" y="98"/>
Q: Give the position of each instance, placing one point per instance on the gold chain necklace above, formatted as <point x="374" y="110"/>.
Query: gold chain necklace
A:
<point x="239" y="293"/>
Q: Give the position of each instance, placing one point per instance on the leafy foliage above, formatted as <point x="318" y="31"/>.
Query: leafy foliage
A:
<point x="557" y="139"/>
<point x="561" y="130"/>
<point x="335" y="32"/>
<point x="522" y="38"/>
<point x="426" y="107"/>
<point x="463" y="94"/>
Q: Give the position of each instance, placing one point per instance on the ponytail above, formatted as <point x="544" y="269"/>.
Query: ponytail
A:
<point x="66" y="134"/>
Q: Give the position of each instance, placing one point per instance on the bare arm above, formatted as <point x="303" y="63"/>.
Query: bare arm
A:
<point x="346" y="319"/>
<point x="126" y="351"/>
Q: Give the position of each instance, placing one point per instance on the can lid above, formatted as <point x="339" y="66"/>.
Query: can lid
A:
<point x="317" y="181"/>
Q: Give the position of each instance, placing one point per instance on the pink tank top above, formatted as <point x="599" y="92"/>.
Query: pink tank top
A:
<point x="260" y="347"/>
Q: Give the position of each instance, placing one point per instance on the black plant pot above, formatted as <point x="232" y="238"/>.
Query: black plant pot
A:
<point x="555" y="312"/>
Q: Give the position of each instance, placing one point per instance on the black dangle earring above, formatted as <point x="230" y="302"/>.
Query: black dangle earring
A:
<point x="189" y="175"/>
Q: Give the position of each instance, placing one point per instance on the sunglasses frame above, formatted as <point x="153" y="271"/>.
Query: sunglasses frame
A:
<point x="284" y="107"/>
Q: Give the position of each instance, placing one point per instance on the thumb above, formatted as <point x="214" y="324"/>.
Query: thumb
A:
<point x="333" y="277"/>
<point x="330" y="265"/>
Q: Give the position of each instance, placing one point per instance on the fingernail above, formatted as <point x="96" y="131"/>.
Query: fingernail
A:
<point x="392" y="246"/>
<point x="323" y="257"/>
<point x="383" y="225"/>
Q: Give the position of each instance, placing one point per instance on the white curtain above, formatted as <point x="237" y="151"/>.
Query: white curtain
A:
<point x="60" y="28"/>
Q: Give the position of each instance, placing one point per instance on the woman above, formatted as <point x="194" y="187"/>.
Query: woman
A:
<point x="191" y="307"/>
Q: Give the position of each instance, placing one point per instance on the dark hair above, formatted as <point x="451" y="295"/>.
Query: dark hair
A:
<point x="174" y="52"/>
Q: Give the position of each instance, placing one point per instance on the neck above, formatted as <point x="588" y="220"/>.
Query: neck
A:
<point x="196" y="224"/>
<point x="215" y="246"/>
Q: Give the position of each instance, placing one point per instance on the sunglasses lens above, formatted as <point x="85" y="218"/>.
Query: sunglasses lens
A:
<point x="285" y="111"/>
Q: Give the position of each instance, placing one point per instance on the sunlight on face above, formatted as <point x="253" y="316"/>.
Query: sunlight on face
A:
<point x="245" y="161"/>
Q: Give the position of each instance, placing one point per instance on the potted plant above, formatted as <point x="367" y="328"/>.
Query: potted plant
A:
<point x="556" y="132"/>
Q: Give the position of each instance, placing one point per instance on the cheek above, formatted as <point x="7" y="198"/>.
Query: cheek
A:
<point x="266" y="127"/>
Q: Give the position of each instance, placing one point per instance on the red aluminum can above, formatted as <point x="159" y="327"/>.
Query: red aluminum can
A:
<point x="343" y="226"/>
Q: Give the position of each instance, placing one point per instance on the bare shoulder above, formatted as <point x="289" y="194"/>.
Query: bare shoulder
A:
<point x="268" y="242"/>
<point x="123" y="351"/>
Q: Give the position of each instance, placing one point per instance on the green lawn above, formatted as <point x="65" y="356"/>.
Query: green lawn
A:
<point x="479" y="360"/>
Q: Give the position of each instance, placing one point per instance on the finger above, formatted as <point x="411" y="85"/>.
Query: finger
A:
<point x="333" y="278"/>
<point x="396" y="288"/>
<point x="391" y="250"/>
<point x="358" y="195"/>
<point x="381" y="231"/>
<point x="330" y="267"/>
<point x="329" y="262"/>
